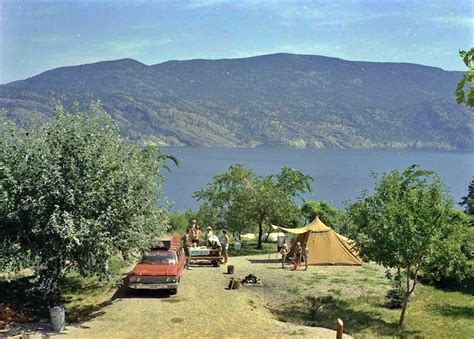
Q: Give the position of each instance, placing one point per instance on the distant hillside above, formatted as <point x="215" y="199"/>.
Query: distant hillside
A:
<point x="279" y="99"/>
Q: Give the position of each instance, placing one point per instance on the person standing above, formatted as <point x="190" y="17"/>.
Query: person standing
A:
<point x="225" y="246"/>
<point x="297" y="256"/>
<point x="186" y="245"/>
<point x="195" y="233"/>
<point x="305" y="256"/>
<point x="284" y="252"/>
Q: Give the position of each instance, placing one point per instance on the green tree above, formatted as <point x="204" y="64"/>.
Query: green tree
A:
<point x="73" y="194"/>
<point x="406" y="224"/>
<point x="180" y="220"/>
<point x="207" y="215"/>
<point x="323" y="209"/>
<point x="468" y="201"/>
<point x="248" y="201"/>
<point x="466" y="97"/>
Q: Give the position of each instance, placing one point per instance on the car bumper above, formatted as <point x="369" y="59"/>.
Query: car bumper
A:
<point x="164" y="286"/>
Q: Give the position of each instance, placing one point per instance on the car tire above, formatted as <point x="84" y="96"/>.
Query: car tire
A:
<point x="173" y="291"/>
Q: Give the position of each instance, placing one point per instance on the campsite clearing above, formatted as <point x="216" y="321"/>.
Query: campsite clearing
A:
<point x="286" y="301"/>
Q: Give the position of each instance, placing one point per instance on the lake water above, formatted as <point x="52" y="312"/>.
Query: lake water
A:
<point x="339" y="175"/>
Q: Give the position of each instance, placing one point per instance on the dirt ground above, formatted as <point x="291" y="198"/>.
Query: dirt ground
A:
<point x="204" y="307"/>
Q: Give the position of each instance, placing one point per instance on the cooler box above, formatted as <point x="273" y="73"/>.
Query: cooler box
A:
<point x="199" y="251"/>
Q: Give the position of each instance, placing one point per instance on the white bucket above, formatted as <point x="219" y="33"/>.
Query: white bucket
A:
<point x="237" y="246"/>
<point x="58" y="319"/>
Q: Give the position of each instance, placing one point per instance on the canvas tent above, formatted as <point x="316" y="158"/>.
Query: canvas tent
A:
<point x="325" y="246"/>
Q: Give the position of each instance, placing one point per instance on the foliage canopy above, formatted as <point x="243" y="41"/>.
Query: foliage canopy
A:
<point x="246" y="201"/>
<point x="74" y="194"/>
<point x="330" y="215"/>
<point x="466" y="96"/>
<point x="409" y="224"/>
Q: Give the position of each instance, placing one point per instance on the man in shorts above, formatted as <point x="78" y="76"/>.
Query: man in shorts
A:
<point x="298" y="252"/>
<point x="186" y="245"/>
<point x="225" y="246"/>
<point x="305" y="256"/>
<point x="284" y="253"/>
<point x="195" y="233"/>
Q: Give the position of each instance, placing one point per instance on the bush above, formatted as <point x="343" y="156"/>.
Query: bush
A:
<point x="395" y="297"/>
<point x="456" y="270"/>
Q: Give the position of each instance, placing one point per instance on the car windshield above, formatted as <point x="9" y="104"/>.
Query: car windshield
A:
<point x="160" y="258"/>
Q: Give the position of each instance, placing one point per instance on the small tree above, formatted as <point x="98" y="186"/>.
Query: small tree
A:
<point x="322" y="209"/>
<point x="246" y="200"/>
<point x="462" y="96"/>
<point x="74" y="194"/>
<point x="405" y="223"/>
<point x="468" y="201"/>
<point x="207" y="215"/>
<point x="180" y="220"/>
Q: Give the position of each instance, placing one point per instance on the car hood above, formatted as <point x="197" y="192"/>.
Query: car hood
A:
<point x="154" y="269"/>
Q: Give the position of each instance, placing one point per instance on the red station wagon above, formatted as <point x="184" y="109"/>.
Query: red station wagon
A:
<point x="160" y="268"/>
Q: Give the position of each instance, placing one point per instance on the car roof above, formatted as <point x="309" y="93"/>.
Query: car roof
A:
<point x="158" y="252"/>
<point x="174" y="241"/>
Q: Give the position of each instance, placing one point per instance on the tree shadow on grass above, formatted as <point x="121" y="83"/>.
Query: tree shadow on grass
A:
<point x="76" y="289"/>
<point x="467" y="287"/>
<point x="324" y="311"/>
<point x="18" y="294"/>
<point x="464" y="312"/>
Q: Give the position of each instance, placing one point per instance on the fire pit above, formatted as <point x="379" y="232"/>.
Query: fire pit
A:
<point x="251" y="280"/>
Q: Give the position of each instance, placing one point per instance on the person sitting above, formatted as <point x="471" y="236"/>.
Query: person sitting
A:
<point x="284" y="252"/>
<point x="207" y="234"/>
<point x="213" y="241"/>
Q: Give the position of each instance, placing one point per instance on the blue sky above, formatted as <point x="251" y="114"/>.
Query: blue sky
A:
<point x="37" y="36"/>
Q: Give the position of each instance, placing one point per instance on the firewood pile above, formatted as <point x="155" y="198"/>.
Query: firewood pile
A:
<point x="251" y="280"/>
<point x="8" y="314"/>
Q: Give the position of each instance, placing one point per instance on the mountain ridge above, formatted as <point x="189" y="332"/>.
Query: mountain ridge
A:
<point x="278" y="99"/>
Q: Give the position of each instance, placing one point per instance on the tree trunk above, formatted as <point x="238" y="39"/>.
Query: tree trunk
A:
<point x="268" y="233"/>
<point x="404" y="308"/>
<point x="260" y="235"/>
<point x="407" y="295"/>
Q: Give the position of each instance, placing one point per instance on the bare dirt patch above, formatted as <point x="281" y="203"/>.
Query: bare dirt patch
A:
<point x="203" y="307"/>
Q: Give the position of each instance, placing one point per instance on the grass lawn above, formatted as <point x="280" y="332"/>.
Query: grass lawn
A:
<point x="80" y="296"/>
<point x="431" y="312"/>
<point x="249" y="248"/>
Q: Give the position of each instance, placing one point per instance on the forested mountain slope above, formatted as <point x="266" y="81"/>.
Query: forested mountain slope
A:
<point x="279" y="99"/>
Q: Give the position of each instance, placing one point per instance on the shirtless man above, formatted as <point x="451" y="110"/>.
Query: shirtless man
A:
<point x="305" y="256"/>
<point x="195" y="233"/>
<point x="186" y="245"/>
<point x="284" y="252"/>
<point x="297" y="256"/>
<point x="225" y="246"/>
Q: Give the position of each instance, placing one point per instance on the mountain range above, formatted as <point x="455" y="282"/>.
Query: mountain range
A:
<point x="270" y="100"/>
